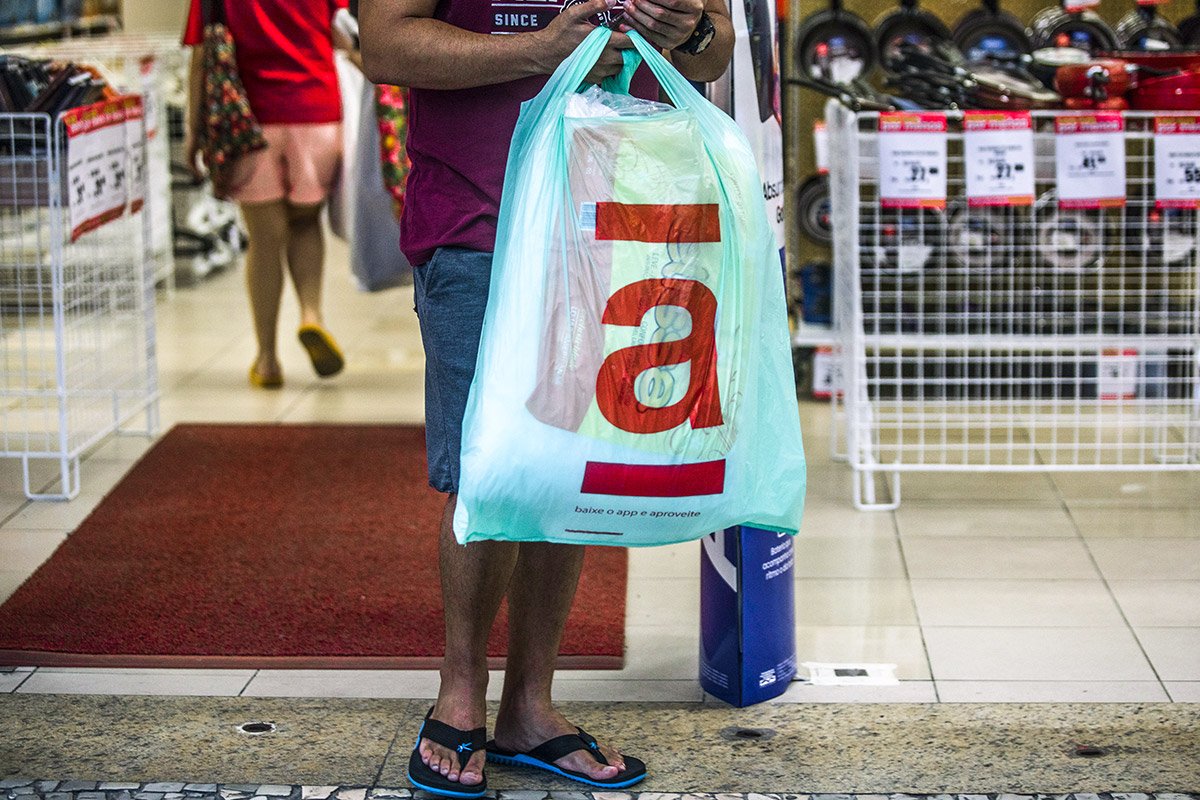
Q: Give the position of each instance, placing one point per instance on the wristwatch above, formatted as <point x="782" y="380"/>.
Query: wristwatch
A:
<point x="701" y="37"/>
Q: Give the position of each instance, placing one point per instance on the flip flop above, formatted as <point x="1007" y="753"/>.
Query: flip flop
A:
<point x="544" y="755"/>
<point x="327" y="358"/>
<point x="461" y="742"/>
<point x="262" y="381"/>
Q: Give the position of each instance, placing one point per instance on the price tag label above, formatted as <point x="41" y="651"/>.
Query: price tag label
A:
<point x="821" y="146"/>
<point x="826" y="374"/>
<point x="135" y="151"/>
<point x="1177" y="162"/>
<point x="1090" y="160"/>
<point x="912" y="160"/>
<point x="97" y="160"/>
<point x="1117" y="375"/>
<point x="998" y="150"/>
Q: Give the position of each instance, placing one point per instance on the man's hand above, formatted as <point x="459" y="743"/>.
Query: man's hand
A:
<point x="665" y="23"/>
<point x="560" y="38"/>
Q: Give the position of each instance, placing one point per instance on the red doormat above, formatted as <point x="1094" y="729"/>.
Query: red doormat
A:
<point x="259" y="546"/>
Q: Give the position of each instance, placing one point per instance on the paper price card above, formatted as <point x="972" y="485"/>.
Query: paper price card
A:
<point x="1117" y="375"/>
<point x="912" y="160"/>
<point x="1090" y="160"/>
<point x="96" y="164"/>
<point x="1177" y="162"/>
<point x="135" y="143"/>
<point x="821" y="146"/>
<point x="998" y="151"/>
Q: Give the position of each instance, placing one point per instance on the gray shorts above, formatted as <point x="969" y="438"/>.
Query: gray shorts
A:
<point x="451" y="291"/>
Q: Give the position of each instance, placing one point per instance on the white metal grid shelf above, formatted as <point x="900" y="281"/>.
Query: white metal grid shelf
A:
<point x="77" y="357"/>
<point x="1012" y="339"/>
<point x="155" y="67"/>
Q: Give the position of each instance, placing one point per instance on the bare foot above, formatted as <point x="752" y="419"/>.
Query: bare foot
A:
<point x="520" y="732"/>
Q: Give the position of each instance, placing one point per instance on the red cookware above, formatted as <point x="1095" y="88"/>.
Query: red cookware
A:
<point x="1179" y="92"/>
<point x="1098" y="80"/>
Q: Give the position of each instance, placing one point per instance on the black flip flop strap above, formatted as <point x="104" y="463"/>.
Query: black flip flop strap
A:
<point x="463" y="743"/>
<point x="560" y="746"/>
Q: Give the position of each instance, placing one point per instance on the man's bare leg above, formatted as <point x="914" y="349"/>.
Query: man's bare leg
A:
<point x="543" y="587"/>
<point x="474" y="579"/>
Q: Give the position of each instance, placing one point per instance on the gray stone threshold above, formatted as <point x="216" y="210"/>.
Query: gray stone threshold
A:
<point x="793" y="750"/>
<point x="25" y="789"/>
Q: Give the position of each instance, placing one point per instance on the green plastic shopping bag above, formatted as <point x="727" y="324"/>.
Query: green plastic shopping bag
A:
<point x="634" y="383"/>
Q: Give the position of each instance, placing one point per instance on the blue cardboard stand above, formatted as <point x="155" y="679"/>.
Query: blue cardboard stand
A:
<point x="747" y="615"/>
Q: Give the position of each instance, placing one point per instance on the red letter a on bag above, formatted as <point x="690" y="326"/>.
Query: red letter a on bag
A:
<point x="619" y="372"/>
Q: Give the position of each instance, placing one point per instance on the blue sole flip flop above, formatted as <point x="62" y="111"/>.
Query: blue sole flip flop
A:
<point x="463" y="743"/>
<point x="544" y="755"/>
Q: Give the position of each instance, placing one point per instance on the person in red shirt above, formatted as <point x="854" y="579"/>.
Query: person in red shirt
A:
<point x="284" y="54"/>
<point x="469" y="65"/>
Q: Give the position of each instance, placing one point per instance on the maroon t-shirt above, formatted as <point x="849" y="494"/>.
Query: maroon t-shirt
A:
<point x="458" y="139"/>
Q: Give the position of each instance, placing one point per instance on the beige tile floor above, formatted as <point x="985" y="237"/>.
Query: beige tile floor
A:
<point x="1020" y="587"/>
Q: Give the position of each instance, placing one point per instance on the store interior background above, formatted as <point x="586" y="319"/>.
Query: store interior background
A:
<point x="981" y="587"/>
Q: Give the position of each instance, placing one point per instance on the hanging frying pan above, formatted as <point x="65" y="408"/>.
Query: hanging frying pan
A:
<point x="1084" y="30"/>
<point x="980" y="239"/>
<point x="901" y="241"/>
<point x="1068" y="240"/>
<point x="988" y="32"/>
<point x="1143" y="28"/>
<point x="1045" y="62"/>
<point x="1164" y="237"/>
<point x="907" y="24"/>
<point x="835" y="46"/>
<point x="814" y="209"/>
<point x="1189" y="29"/>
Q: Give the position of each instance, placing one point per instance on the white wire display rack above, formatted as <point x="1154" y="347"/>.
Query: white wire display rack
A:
<point x="77" y="359"/>
<point x="1013" y="338"/>
<point x="155" y="67"/>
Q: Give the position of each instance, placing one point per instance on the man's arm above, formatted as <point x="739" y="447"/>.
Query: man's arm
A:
<point x="402" y="44"/>
<point x="669" y="23"/>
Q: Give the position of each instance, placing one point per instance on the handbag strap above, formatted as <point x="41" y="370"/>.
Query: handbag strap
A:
<point x="212" y="12"/>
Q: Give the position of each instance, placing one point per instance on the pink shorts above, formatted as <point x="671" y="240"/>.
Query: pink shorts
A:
<point x="298" y="164"/>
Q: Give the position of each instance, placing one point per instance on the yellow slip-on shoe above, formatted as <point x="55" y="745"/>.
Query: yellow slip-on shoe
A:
<point x="261" y="381"/>
<point x="327" y="358"/>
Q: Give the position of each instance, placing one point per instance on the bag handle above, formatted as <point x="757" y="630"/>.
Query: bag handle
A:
<point x="677" y="88"/>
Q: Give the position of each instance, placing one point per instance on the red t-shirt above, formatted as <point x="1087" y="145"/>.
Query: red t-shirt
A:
<point x="284" y="55"/>
<point x="458" y="139"/>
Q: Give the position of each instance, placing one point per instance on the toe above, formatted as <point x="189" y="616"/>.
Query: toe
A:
<point x="614" y="757"/>
<point x="472" y="774"/>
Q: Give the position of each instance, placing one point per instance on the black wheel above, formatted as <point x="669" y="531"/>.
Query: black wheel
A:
<point x="990" y="33"/>
<point x="1083" y="30"/>
<point x="907" y="24"/>
<point x="814" y="210"/>
<point x="1145" y="29"/>
<point x="835" y="45"/>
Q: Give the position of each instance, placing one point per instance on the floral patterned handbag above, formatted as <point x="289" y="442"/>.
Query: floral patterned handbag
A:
<point x="391" y="112"/>
<point x="228" y="128"/>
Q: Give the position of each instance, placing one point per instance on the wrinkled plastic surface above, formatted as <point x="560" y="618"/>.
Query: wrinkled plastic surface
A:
<point x="634" y="383"/>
